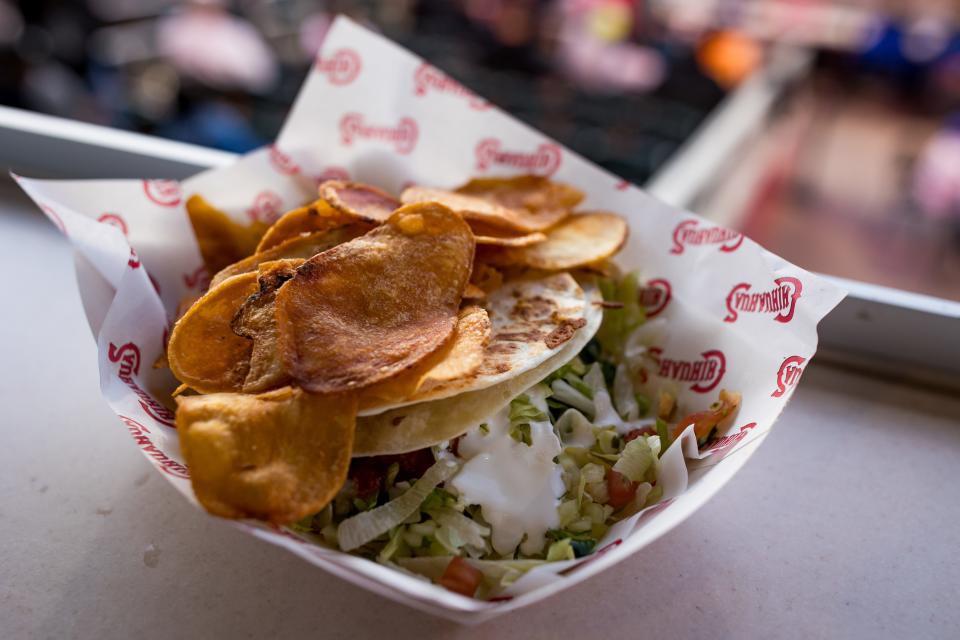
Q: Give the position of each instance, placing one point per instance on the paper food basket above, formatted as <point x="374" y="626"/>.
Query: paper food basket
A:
<point x="734" y="315"/>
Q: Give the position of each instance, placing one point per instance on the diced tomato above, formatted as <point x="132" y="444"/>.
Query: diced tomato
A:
<point x="633" y="434"/>
<point x="704" y="421"/>
<point x="619" y="489"/>
<point x="368" y="475"/>
<point x="412" y="465"/>
<point x="461" y="577"/>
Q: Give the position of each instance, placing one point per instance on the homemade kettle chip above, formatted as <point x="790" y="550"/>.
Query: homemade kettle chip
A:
<point x="376" y="306"/>
<point x="256" y="320"/>
<point x="578" y="241"/>
<point x="361" y="201"/>
<point x="316" y="216"/>
<point x="203" y="351"/>
<point x="296" y="247"/>
<point x="277" y="457"/>
<point x="476" y="209"/>
<point x="221" y="240"/>
<point x="428" y="423"/>
<point x="525" y="315"/>
<point x="488" y="234"/>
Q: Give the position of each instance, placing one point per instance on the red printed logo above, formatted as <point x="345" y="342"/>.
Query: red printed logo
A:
<point x="703" y="374"/>
<point x="788" y="375"/>
<point x="199" y="279"/>
<point x="341" y="68"/>
<point x="128" y="357"/>
<point x="55" y="218"/>
<point x="141" y="436"/>
<point x="427" y="77"/>
<point x="545" y="160"/>
<point x="165" y="193"/>
<point x="623" y="185"/>
<point x="781" y="300"/>
<point x="655" y="296"/>
<point x="403" y="137"/>
<point x="333" y="173"/>
<point x="134" y="260"/>
<point x="114" y="220"/>
<point x="282" y="162"/>
<point x="725" y="443"/>
<point x="267" y="207"/>
<point x="689" y="233"/>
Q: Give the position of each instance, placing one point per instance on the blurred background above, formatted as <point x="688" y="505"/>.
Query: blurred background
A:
<point x="850" y="167"/>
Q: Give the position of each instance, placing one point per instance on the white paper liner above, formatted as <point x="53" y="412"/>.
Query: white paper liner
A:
<point x="735" y="316"/>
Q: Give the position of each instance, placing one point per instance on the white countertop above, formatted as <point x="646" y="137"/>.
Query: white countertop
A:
<point x="845" y="524"/>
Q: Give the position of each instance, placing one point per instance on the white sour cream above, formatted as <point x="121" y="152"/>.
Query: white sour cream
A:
<point x="518" y="487"/>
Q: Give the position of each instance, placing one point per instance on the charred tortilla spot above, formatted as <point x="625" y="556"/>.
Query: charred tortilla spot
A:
<point x="564" y="332"/>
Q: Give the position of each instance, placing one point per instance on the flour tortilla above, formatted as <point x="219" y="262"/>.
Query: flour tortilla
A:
<point x="526" y="317"/>
<point x="426" y="424"/>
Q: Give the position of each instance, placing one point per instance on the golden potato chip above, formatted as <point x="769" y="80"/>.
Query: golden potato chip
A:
<point x="465" y="354"/>
<point x="203" y="351"/>
<point x="279" y="456"/>
<point x="534" y="193"/>
<point x="485" y="277"/>
<point x="525" y="204"/>
<point x="578" y="241"/>
<point x="488" y="234"/>
<point x="473" y="292"/>
<point x="362" y="201"/>
<point x="298" y="247"/>
<point x="376" y="306"/>
<point x="221" y="240"/>
<point x="460" y="357"/>
<point x="478" y="210"/>
<point x="316" y="216"/>
<point x="425" y="424"/>
<point x="255" y="319"/>
<point x="529" y="319"/>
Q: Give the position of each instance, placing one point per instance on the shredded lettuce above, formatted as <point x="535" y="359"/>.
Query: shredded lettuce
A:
<point x="663" y="430"/>
<point x="560" y="550"/>
<point x="623" y="394"/>
<point x="604" y="414"/>
<point x="368" y="525"/>
<point x="522" y="413"/>
<point x="637" y="458"/>
<point x="469" y="531"/>
<point x="563" y="392"/>
<point x="618" y="324"/>
<point x="574" y="429"/>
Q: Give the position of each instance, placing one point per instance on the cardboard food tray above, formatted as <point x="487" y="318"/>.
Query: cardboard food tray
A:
<point x="728" y="314"/>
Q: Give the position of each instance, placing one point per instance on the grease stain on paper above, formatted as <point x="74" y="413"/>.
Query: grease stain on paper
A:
<point x="151" y="556"/>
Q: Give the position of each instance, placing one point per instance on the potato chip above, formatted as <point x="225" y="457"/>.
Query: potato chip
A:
<point x="221" y="240"/>
<point x="256" y="320"/>
<point x="461" y="356"/>
<point x="473" y="292"/>
<point x="485" y="277"/>
<point x="480" y="211"/>
<point x="531" y="192"/>
<point x="203" y="351"/>
<point x="425" y="424"/>
<point x="316" y="216"/>
<point x="529" y="319"/>
<point x="487" y="234"/>
<point x="522" y="203"/>
<point x="298" y="247"/>
<point x="279" y="456"/>
<point x="578" y="241"/>
<point x="376" y="306"/>
<point x="362" y="201"/>
<point x="466" y="352"/>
